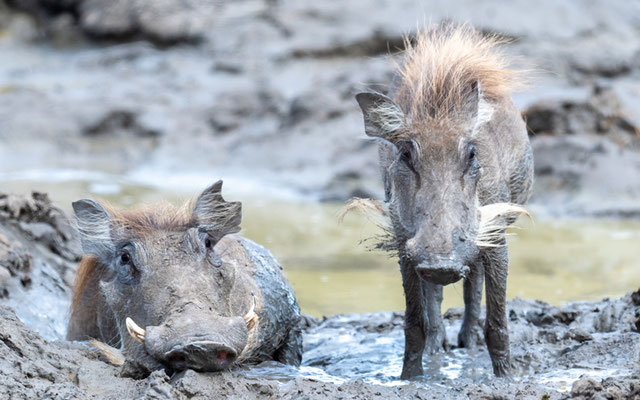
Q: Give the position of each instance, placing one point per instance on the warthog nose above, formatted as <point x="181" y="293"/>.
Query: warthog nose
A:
<point x="442" y="270"/>
<point x="201" y="356"/>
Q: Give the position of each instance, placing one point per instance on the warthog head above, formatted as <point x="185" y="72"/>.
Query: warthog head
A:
<point x="440" y="157"/>
<point x="431" y="179"/>
<point x="160" y="269"/>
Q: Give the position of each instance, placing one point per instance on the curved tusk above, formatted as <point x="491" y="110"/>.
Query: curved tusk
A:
<point x="135" y="331"/>
<point x="251" y="318"/>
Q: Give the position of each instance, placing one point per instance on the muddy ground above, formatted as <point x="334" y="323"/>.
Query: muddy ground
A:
<point x="157" y="91"/>
<point x="596" y="338"/>
<point x="579" y="350"/>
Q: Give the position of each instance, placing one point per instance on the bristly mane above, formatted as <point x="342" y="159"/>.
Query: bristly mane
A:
<point x="441" y="67"/>
<point x="148" y="218"/>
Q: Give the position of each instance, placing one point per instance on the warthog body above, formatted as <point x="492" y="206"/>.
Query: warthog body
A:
<point x="456" y="162"/>
<point x="205" y="298"/>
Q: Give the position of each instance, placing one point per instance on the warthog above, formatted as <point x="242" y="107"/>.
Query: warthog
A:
<point x="207" y="299"/>
<point x="456" y="163"/>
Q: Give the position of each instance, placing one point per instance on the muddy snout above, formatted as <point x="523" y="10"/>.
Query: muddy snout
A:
<point x="441" y="267"/>
<point x="210" y="343"/>
<point x="200" y="355"/>
<point x="442" y="271"/>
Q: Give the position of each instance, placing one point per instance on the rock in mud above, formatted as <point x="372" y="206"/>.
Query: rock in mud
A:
<point x="164" y="22"/>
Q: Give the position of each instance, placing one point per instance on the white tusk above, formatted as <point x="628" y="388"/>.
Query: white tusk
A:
<point x="251" y="316"/>
<point x="135" y="331"/>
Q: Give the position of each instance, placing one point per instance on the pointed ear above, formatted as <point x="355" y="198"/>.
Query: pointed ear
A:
<point x="472" y="100"/>
<point x="382" y="117"/>
<point x="94" y="225"/>
<point x="216" y="216"/>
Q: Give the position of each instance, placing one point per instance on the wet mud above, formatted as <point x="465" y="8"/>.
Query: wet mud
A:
<point x="579" y="349"/>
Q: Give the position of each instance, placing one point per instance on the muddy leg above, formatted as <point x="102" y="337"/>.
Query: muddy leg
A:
<point x="435" y="326"/>
<point x="415" y="324"/>
<point x="496" y="332"/>
<point x="468" y="337"/>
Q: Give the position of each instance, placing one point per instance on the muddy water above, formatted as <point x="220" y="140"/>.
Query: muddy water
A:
<point x="332" y="272"/>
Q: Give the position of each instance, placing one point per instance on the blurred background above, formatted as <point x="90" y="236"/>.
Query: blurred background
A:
<point x="144" y="100"/>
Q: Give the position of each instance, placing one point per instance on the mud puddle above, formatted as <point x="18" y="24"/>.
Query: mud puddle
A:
<point x="333" y="272"/>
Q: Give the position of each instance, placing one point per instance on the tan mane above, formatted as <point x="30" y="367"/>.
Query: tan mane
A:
<point x="148" y="218"/>
<point x="440" y="68"/>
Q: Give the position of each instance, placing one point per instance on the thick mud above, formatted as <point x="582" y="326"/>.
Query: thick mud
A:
<point x="580" y="349"/>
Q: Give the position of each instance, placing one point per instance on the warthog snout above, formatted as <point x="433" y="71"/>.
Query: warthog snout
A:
<point x="201" y="355"/>
<point x="208" y="344"/>
<point x="442" y="270"/>
<point x="439" y="267"/>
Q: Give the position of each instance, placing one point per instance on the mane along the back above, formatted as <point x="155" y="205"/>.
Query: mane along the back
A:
<point x="441" y="68"/>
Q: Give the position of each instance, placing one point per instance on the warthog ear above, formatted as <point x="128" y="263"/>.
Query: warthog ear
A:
<point x="216" y="216"/>
<point x="472" y="100"/>
<point x="94" y="225"/>
<point x="382" y="117"/>
<point x="476" y="109"/>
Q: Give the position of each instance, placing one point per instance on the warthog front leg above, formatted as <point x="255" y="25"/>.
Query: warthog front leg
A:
<point x="496" y="332"/>
<point x="468" y="337"/>
<point x="435" y="325"/>
<point x="415" y="324"/>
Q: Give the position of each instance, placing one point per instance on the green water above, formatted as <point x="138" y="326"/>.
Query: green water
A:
<point x="331" y="272"/>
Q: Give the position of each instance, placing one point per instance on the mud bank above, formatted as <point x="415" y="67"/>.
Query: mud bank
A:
<point x="252" y="89"/>
<point x="581" y="350"/>
<point x="39" y="252"/>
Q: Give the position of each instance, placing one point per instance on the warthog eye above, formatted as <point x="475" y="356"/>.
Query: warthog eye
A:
<point x="127" y="269"/>
<point x="207" y="243"/>
<point x="406" y="149"/>
<point x="472" y="159"/>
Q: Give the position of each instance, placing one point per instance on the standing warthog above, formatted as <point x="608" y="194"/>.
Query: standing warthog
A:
<point x="207" y="299"/>
<point x="456" y="162"/>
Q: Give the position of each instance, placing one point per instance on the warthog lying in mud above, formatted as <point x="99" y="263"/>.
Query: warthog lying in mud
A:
<point x="207" y="299"/>
<point x="456" y="163"/>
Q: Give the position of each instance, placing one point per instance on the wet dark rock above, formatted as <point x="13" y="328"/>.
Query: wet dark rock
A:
<point x="163" y="22"/>
<point x="320" y="105"/>
<point x="378" y="43"/>
<point x="121" y="122"/>
<point x="580" y="335"/>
